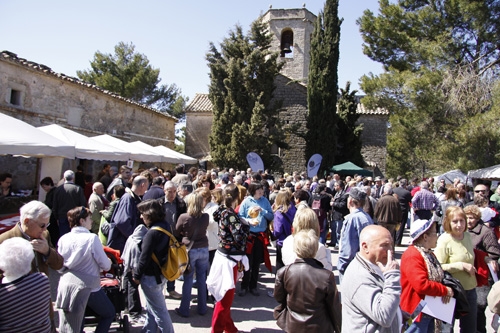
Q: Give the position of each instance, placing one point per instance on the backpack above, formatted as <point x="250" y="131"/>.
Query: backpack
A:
<point x="320" y="212"/>
<point x="177" y="258"/>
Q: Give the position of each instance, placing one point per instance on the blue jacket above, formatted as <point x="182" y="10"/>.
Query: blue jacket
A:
<point x="125" y="219"/>
<point x="266" y="215"/>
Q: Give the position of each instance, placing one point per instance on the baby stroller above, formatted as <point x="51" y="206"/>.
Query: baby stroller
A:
<point x="111" y="282"/>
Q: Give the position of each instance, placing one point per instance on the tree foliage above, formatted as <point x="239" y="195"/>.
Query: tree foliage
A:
<point x="441" y="59"/>
<point x="130" y="75"/>
<point x="348" y="133"/>
<point x="322" y="86"/>
<point x="241" y="89"/>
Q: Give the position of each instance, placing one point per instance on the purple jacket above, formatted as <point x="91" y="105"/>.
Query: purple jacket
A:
<point x="283" y="224"/>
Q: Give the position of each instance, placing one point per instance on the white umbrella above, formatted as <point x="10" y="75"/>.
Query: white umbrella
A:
<point x="182" y="158"/>
<point x="85" y="146"/>
<point x="136" y="154"/>
<point x="20" y="138"/>
<point x="167" y="158"/>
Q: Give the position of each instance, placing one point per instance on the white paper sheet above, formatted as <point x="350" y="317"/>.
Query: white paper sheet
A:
<point x="437" y="309"/>
<point x="492" y="271"/>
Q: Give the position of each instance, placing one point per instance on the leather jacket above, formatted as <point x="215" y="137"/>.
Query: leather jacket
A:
<point x="310" y="295"/>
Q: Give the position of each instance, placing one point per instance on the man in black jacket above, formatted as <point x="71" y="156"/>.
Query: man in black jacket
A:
<point x="404" y="197"/>
<point x="339" y="211"/>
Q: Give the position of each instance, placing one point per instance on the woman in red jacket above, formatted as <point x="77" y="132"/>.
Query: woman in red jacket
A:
<point x="421" y="274"/>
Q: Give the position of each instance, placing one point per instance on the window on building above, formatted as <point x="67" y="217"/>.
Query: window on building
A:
<point x="286" y="44"/>
<point x="15" y="97"/>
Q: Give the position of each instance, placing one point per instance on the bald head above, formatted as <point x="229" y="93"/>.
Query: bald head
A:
<point x="375" y="241"/>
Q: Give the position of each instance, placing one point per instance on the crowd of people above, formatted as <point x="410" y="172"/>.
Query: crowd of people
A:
<point x="229" y="220"/>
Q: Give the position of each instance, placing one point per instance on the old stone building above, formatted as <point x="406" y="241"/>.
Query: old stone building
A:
<point x="39" y="96"/>
<point x="291" y="30"/>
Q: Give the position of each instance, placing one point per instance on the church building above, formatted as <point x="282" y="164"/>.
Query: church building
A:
<point x="291" y="30"/>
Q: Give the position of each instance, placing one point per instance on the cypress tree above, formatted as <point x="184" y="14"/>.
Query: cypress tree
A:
<point x="322" y="87"/>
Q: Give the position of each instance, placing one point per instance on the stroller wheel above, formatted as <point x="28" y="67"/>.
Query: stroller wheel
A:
<point x="125" y="324"/>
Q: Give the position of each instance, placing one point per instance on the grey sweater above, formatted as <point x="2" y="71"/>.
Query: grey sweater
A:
<point x="370" y="302"/>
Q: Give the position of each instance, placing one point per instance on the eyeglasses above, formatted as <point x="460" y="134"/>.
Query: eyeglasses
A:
<point x="480" y="191"/>
<point x="44" y="225"/>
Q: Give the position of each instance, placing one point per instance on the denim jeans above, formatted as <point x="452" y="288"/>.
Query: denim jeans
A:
<point x="198" y="259"/>
<point x="104" y="308"/>
<point x="335" y="227"/>
<point x="157" y="313"/>
<point x="425" y="325"/>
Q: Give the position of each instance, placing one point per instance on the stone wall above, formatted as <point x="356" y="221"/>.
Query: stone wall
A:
<point x="44" y="97"/>
<point x="198" y="128"/>
<point x="294" y="110"/>
<point x="374" y="140"/>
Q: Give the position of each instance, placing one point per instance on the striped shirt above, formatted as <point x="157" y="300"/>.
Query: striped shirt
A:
<point x="24" y="304"/>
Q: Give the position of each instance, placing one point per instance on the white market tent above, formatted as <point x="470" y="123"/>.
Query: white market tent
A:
<point x="136" y="153"/>
<point x="167" y="158"/>
<point x="20" y="138"/>
<point x="489" y="173"/>
<point x="450" y="176"/>
<point x="86" y="147"/>
<point x="181" y="157"/>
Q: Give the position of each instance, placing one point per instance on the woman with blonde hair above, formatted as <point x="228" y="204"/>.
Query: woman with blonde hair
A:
<point x="455" y="252"/>
<point x="217" y="196"/>
<point x="284" y="212"/>
<point x="192" y="226"/>
<point x="305" y="219"/>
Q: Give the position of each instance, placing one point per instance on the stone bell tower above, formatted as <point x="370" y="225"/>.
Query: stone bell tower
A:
<point x="292" y="30"/>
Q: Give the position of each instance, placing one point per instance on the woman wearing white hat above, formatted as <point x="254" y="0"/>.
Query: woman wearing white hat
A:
<point x="421" y="274"/>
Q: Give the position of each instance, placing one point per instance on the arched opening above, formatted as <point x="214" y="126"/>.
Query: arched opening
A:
<point x="286" y="43"/>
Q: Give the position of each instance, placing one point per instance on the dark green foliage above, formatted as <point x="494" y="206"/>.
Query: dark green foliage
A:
<point x="322" y="87"/>
<point x="441" y="60"/>
<point x="241" y="88"/>
<point x="130" y="75"/>
<point x="348" y="133"/>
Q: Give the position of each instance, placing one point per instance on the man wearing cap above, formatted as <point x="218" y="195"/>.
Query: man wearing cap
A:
<point x="377" y="189"/>
<point x="370" y="301"/>
<point x="351" y="230"/>
<point x="424" y="202"/>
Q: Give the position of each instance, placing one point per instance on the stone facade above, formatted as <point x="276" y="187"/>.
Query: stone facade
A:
<point x="198" y="127"/>
<point x="37" y="95"/>
<point x="300" y="22"/>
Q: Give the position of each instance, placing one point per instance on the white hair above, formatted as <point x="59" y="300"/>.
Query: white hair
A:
<point x="34" y="210"/>
<point x="69" y="175"/>
<point x="388" y="188"/>
<point x="16" y="255"/>
<point x="95" y="185"/>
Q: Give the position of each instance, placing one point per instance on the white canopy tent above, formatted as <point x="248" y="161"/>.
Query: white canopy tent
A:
<point x="182" y="158"/>
<point x="86" y="147"/>
<point x="167" y="158"/>
<point x="489" y="173"/>
<point x="136" y="153"/>
<point x="450" y="176"/>
<point x="20" y="138"/>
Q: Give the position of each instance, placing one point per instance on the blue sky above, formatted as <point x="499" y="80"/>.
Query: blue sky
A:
<point x="174" y="35"/>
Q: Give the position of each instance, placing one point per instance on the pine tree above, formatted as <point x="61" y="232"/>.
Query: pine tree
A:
<point x="130" y="75"/>
<point x="322" y="87"/>
<point x="349" y="134"/>
<point x="241" y="87"/>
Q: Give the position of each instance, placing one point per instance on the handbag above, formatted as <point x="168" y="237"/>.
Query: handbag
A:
<point x="280" y="312"/>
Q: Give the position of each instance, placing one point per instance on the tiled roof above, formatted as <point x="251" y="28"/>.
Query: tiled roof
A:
<point x="201" y="103"/>
<point x="10" y="56"/>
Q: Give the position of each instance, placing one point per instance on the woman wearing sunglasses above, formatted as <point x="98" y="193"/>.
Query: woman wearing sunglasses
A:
<point x="80" y="285"/>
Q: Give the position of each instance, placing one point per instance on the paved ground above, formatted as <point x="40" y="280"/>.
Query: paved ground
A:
<point x="250" y="313"/>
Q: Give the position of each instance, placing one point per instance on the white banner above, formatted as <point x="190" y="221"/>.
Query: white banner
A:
<point x="255" y="161"/>
<point x="313" y="165"/>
